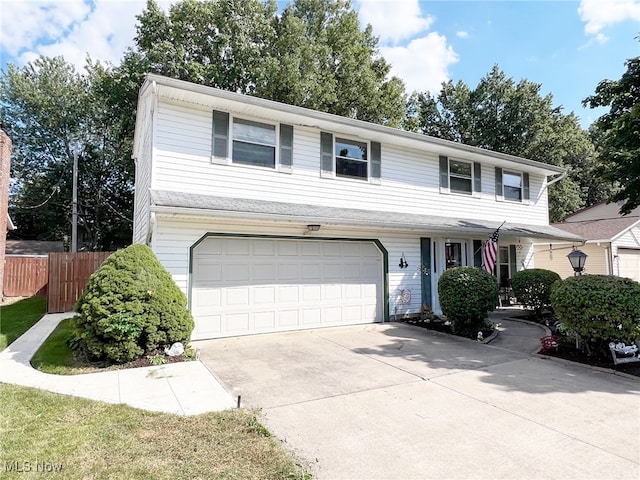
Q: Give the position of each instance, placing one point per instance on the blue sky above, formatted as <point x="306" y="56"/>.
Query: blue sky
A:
<point x="568" y="46"/>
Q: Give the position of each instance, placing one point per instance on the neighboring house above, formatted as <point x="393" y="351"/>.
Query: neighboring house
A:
<point x="612" y="243"/>
<point x="272" y="217"/>
<point x="33" y="248"/>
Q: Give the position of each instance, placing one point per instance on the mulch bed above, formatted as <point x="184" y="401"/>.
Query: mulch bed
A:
<point x="571" y="353"/>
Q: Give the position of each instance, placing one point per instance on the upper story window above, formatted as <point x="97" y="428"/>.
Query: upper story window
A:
<point x="460" y="176"/>
<point x="512" y="186"/>
<point x="347" y="158"/>
<point x="254" y="143"/>
<point x="351" y="159"/>
<point x="249" y="142"/>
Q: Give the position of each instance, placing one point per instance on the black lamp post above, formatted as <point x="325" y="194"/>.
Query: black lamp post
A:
<point x="577" y="259"/>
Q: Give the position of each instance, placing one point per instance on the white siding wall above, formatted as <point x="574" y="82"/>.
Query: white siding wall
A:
<point x="174" y="236"/>
<point x="141" y="206"/>
<point x="410" y="179"/>
<point x="597" y="260"/>
<point x="630" y="239"/>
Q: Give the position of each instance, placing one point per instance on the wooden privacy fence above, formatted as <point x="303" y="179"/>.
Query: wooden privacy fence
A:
<point x="25" y="276"/>
<point x="68" y="275"/>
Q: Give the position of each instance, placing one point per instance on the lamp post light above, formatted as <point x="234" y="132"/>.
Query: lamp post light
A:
<point x="577" y="259"/>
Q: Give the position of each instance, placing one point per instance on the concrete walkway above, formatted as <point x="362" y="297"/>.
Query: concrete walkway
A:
<point x="516" y="334"/>
<point x="186" y="388"/>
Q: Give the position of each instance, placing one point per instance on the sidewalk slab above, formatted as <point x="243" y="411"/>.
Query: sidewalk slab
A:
<point x="186" y="388"/>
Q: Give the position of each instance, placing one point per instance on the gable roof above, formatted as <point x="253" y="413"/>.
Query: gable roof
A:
<point x="601" y="222"/>
<point x="197" y="204"/>
<point x="32" y="247"/>
<point x="210" y="97"/>
<point x="599" y="230"/>
<point x="600" y="211"/>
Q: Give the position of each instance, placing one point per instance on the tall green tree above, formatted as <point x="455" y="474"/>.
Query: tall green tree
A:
<point x="52" y="112"/>
<point x="514" y="118"/>
<point x="617" y="133"/>
<point x="323" y="59"/>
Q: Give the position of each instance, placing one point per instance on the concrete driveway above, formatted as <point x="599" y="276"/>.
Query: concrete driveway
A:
<point x="394" y="401"/>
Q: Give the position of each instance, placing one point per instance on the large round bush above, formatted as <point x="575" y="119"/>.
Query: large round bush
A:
<point x="131" y="306"/>
<point x="598" y="308"/>
<point x="467" y="295"/>
<point x="532" y="288"/>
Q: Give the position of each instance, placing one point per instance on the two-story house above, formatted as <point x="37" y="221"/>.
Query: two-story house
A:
<point x="272" y="217"/>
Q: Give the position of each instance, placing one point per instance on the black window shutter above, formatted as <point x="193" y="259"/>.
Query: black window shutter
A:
<point x="444" y="172"/>
<point x="499" y="181"/>
<point x="326" y="152"/>
<point x="477" y="178"/>
<point x="477" y="253"/>
<point x="286" y="146"/>
<point x="525" y="186"/>
<point x="376" y="160"/>
<point x="220" y="140"/>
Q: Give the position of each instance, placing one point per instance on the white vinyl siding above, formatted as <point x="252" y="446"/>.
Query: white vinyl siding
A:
<point x="141" y="206"/>
<point x="410" y="178"/>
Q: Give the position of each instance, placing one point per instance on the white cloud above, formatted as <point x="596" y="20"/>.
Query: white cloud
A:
<point x="462" y="34"/>
<point x="423" y="63"/>
<point x="393" y="21"/>
<point x="71" y="28"/>
<point x="599" y="14"/>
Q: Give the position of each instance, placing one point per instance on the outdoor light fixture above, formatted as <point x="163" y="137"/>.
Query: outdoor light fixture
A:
<point x="313" y="228"/>
<point x="403" y="262"/>
<point x="577" y="259"/>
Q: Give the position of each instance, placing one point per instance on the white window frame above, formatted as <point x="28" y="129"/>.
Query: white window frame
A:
<point x="504" y="186"/>
<point x="454" y="175"/>
<point x="367" y="162"/>
<point x="275" y="146"/>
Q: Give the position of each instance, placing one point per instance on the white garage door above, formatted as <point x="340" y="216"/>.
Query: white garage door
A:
<point x="629" y="263"/>
<point x="255" y="285"/>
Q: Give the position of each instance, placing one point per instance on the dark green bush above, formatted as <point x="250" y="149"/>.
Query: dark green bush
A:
<point x="532" y="288"/>
<point x="131" y="306"/>
<point x="599" y="309"/>
<point x="467" y="295"/>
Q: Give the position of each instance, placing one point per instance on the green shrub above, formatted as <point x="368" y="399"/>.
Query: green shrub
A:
<point x="131" y="306"/>
<point x="532" y="288"/>
<point x="467" y="295"/>
<point x="599" y="309"/>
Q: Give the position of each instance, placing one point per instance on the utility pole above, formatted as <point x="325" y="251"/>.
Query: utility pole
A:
<point x="74" y="210"/>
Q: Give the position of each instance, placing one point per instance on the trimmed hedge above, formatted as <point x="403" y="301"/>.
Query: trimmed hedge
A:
<point x="467" y="295"/>
<point x="131" y="306"/>
<point x="532" y="288"/>
<point x="598" y="308"/>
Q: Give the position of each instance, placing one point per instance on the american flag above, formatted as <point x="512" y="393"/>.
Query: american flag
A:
<point x="490" y="251"/>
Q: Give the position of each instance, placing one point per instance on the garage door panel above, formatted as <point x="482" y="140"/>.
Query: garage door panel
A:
<point x="237" y="246"/>
<point x="629" y="263"/>
<point x="236" y="323"/>
<point x="289" y="318"/>
<point x="262" y="295"/>
<point x="264" y="321"/>
<point x="283" y="285"/>
<point x="264" y="247"/>
<point x="288" y="294"/>
<point x="237" y="296"/>
<point x="288" y="272"/>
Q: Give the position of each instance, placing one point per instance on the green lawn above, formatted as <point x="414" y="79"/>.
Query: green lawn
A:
<point x="17" y="318"/>
<point x="55" y="356"/>
<point x="90" y="439"/>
